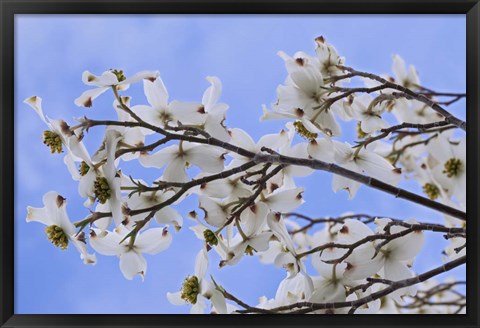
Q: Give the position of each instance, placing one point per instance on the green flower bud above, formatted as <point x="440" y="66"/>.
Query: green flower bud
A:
<point x="210" y="237"/>
<point x="360" y="133"/>
<point x="453" y="167"/>
<point x="190" y="289"/>
<point x="53" y="140"/>
<point x="249" y="250"/>
<point x="431" y="191"/>
<point x="84" y="168"/>
<point x="57" y="236"/>
<point x="303" y="132"/>
<point x="119" y="75"/>
<point x="102" y="190"/>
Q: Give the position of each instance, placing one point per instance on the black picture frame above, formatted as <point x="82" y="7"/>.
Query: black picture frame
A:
<point x="9" y="8"/>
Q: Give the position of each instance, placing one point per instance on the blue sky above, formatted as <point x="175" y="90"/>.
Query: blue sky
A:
<point x="51" y="52"/>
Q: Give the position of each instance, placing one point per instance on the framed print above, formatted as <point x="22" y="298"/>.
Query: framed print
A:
<point x="176" y="163"/>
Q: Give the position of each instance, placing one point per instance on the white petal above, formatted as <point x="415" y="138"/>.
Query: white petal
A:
<point x="176" y="298"/>
<point x="260" y="242"/>
<point x="214" y="125"/>
<point x="321" y="149"/>
<point x="149" y="75"/>
<point x="156" y="93"/>
<point x="398" y="68"/>
<point x="212" y="94"/>
<point x="160" y="158"/>
<point x="353" y="230"/>
<point x="131" y="264"/>
<point x="188" y="112"/>
<point x="36" y="103"/>
<point x="341" y="183"/>
<point x="175" y="171"/>
<point x="285" y="200"/>
<point x="277" y="225"/>
<point x="209" y="159"/>
<point x="82" y="249"/>
<point x="107" y="243"/>
<point x="62" y="219"/>
<point x="242" y="139"/>
<point x="361" y="265"/>
<point x="328" y="291"/>
<point x="201" y="264"/>
<point x="273" y="141"/>
<point x="396" y="271"/>
<point x="71" y="166"/>
<point x="407" y="247"/>
<point x="214" y="214"/>
<point x="218" y="302"/>
<point x="217" y="188"/>
<point x="106" y="79"/>
<point x="76" y="146"/>
<point x="254" y="218"/>
<point x="199" y="307"/>
<point x="115" y="201"/>
<point x="373" y="123"/>
<point x="41" y="215"/>
<point x="151" y="115"/>
<point x="86" y="184"/>
<point x="328" y="123"/>
<point x="307" y="79"/>
<point x="168" y="215"/>
<point x="378" y="168"/>
<point x="86" y="98"/>
<point x="153" y="241"/>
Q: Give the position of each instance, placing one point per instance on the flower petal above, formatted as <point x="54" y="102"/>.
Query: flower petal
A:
<point x="36" y="103"/>
<point x="106" y="243"/>
<point x="153" y="241"/>
<point x="156" y="93"/>
<point x="201" y="264"/>
<point x="285" y="200"/>
<point x="131" y="264"/>
<point x="176" y="298"/>
<point x="212" y="94"/>
<point x="86" y="98"/>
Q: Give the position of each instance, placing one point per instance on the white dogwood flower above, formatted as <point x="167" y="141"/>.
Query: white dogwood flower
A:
<point x="303" y="95"/>
<point x="369" y="116"/>
<point x="178" y="157"/>
<point x="391" y="260"/>
<point x="60" y="231"/>
<point x="161" y="112"/>
<point x="107" y="80"/>
<point x="132" y="262"/>
<point x="362" y="161"/>
<point x="196" y="289"/>
<point x="408" y="79"/>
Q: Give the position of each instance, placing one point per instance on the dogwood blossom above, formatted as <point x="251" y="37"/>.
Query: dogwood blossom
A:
<point x="60" y="231"/>
<point x="197" y="290"/>
<point x="132" y="262"/>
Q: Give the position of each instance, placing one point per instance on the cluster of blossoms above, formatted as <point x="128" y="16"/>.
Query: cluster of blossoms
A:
<point x="246" y="189"/>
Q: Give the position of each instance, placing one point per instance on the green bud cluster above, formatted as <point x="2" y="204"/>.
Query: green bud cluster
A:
<point x="249" y="250"/>
<point x="210" y="237"/>
<point x="84" y="168"/>
<point x="119" y="75"/>
<point x="431" y="191"/>
<point x="453" y="167"/>
<point x="102" y="190"/>
<point x="360" y="133"/>
<point x="303" y="132"/>
<point x="52" y="140"/>
<point x="57" y="236"/>
<point x="190" y="289"/>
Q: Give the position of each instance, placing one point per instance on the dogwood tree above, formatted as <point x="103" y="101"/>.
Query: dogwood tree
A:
<point x="248" y="198"/>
